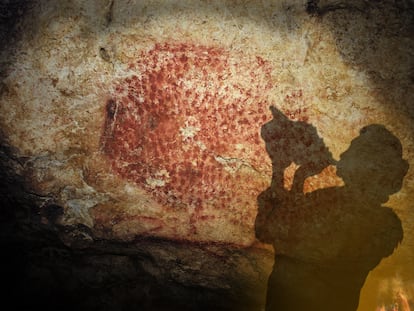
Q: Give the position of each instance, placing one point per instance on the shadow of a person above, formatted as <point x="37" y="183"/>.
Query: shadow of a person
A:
<point x="327" y="241"/>
<point x="290" y="141"/>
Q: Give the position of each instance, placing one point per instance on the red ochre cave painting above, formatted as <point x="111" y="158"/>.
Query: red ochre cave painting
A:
<point x="186" y="128"/>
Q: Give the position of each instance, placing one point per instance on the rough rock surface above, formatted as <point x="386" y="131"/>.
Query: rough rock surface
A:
<point x="131" y="137"/>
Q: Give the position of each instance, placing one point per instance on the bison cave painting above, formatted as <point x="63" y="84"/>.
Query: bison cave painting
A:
<point x="328" y="240"/>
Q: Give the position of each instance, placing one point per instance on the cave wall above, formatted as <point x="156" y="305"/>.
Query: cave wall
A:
<point x="139" y="122"/>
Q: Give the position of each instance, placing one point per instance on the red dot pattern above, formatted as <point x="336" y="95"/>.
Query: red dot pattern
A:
<point x="187" y="122"/>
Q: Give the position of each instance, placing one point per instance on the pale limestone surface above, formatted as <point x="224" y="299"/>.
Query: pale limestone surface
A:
<point x="352" y="66"/>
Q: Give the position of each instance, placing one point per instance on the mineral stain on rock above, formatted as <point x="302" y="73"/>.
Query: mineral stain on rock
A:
<point x="110" y="109"/>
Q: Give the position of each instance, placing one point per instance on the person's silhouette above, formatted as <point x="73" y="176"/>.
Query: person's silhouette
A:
<point x="290" y="141"/>
<point x="327" y="241"/>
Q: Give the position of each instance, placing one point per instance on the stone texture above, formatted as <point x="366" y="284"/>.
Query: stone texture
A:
<point x="129" y="121"/>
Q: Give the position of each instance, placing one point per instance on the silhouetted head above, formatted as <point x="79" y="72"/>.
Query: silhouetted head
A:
<point x="373" y="164"/>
